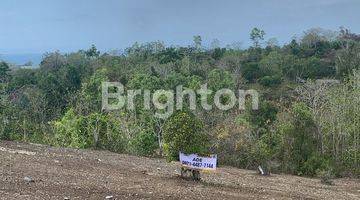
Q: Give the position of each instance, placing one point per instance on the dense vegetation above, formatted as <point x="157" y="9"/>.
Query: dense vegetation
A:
<point x="303" y="126"/>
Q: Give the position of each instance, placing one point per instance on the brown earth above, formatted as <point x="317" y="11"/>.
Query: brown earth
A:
<point x="60" y="173"/>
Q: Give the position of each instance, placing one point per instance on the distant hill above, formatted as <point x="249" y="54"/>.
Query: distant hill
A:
<point x="21" y="59"/>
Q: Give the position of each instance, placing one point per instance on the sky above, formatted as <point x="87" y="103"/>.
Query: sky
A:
<point x="38" y="26"/>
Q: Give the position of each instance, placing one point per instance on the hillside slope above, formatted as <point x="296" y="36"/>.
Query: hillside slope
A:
<point x="87" y="174"/>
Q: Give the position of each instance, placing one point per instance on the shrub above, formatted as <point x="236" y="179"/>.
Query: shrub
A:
<point x="314" y="164"/>
<point x="95" y="130"/>
<point x="69" y="132"/>
<point x="251" y="71"/>
<point x="183" y="132"/>
<point x="144" y="143"/>
<point x="270" y="80"/>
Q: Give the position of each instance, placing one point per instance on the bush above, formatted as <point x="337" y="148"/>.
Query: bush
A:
<point x="251" y="71"/>
<point x="69" y="131"/>
<point x="183" y="132"/>
<point x="314" y="164"/>
<point x="270" y="80"/>
<point x="95" y="130"/>
<point x="144" y="143"/>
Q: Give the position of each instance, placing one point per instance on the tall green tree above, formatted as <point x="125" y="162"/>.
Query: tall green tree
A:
<point x="257" y="35"/>
<point x="4" y="72"/>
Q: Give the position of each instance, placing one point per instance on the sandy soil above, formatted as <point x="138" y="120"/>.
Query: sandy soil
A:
<point x="59" y="173"/>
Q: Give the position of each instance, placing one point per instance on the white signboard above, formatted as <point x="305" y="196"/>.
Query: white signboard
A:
<point x="197" y="162"/>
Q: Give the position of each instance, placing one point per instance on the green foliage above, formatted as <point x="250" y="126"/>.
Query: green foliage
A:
<point x="341" y="124"/>
<point x="256" y="36"/>
<point x="4" y="72"/>
<point x="300" y="149"/>
<point x="144" y="143"/>
<point x="175" y="79"/>
<point x="348" y="59"/>
<point x="314" y="164"/>
<point x="169" y="55"/>
<point x="314" y="67"/>
<point x="90" y="93"/>
<point x="92" y="52"/>
<point x="220" y="79"/>
<point x="183" y="132"/>
<point x="273" y="64"/>
<point x="60" y="102"/>
<point x="264" y="116"/>
<point x="95" y="130"/>
<point x="270" y="80"/>
<point x="218" y="53"/>
<point x="21" y="78"/>
<point x="197" y="42"/>
<point x="69" y="131"/>
<point x="145" y="81"/>
<point x="194" y="82"/>
<point x="251" y="71"/>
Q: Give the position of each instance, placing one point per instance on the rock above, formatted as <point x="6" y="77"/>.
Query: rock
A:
<point x="263" y="171"/>
<point x="109" y="197"/>
<point x="66" y="198"/>
<point x="158" y="168"/>
<point x="28" y="179"/>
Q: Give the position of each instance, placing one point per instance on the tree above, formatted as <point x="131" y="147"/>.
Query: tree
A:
<point x="300" y="154"/>
<point x="340" y="124"/>
<point x="92" y="52"/>
<point x="89" y="97"/>
<point x="22" y="77"/>
<point x="293" y="130"/>
<point x="272" y="64"/>
<point x="144" y="81"/>
<point x="218" y="53"/>
<point x="293" y="47"/>
<point x="169" y="55"/>
<point x="197" y="42"/>
<point x="347" y="60"/>
<point x="4" y="72"/>
<point x="272" y="43"/>
<point x="53" y="61"/>
<point x="270" y="80"/>
<point x="260" y="119"/>
<point x="215" y="44"/>
<point x="220" y="79"/>
<point x="314" y="36"/>
<point x="251" y="71"/>
<point x="256" y="36"/>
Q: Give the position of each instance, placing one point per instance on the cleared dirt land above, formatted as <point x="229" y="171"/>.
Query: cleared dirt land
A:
<point x="59" y="173"/>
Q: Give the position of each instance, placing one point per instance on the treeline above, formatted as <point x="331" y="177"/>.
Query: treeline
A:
<point x="305" y="125"/>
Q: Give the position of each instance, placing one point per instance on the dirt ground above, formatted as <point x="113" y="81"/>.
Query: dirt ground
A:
<point x="29" y="171"/>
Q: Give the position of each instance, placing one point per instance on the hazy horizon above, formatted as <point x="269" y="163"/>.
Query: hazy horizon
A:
<point x="39" y="26"/>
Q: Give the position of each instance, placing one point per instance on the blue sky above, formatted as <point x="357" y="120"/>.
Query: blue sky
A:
<point x="38" y="26"/>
